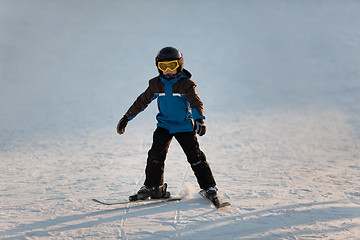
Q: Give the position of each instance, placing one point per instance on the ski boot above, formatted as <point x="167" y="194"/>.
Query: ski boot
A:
<point x="211" y="194"/>
<point x="152" y="192"/>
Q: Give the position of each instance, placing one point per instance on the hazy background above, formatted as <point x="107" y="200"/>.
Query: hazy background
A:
<point x="78" y="65"/>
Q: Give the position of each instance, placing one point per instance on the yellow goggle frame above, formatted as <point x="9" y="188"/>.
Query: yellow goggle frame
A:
<point x="168" y="65"/>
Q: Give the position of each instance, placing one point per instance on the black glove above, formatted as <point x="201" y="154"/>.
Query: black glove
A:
<point x="199" y="127"/>
<point x="122" y="124"/>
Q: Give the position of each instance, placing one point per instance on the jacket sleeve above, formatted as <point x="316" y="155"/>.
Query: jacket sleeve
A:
<point x="196" y="104"/>
<point x="140" y="103"/>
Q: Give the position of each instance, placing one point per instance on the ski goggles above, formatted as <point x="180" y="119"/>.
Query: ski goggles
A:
<point x="168" y="65"/>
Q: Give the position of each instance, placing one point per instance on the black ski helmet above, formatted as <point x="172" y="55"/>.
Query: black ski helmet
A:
<point x="168" y="54"/>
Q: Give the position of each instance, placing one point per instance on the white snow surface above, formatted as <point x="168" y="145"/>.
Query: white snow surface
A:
<point x="280" y="82"/>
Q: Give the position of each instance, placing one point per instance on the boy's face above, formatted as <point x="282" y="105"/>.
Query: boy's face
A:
<point x="168" y="72"/>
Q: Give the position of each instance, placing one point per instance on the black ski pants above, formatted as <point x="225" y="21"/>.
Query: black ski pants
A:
<point x="157" y="154"/>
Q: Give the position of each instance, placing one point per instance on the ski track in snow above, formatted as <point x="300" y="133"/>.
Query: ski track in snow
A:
<point x="280" y="86"/>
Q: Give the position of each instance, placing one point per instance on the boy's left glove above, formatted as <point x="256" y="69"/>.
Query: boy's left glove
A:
<point x="122" y="124"/>
<point x="200" y="127"/>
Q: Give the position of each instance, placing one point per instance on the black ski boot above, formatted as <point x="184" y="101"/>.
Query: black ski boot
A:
<point x="211" y="194"/>
<point x="153" y="192"/>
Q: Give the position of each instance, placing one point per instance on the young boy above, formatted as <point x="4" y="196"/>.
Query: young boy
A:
<point x="181" y="115"/>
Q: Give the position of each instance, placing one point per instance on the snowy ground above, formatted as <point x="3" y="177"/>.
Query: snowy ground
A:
<point x="280" y="84"/>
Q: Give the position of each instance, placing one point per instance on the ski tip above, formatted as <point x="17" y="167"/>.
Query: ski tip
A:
<point x="97" y="201"/>
<point x="224" y="204"/>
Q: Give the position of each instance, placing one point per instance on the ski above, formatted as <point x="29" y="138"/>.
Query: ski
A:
<point x="218" y="204"/>
<point x="139" y="201"/>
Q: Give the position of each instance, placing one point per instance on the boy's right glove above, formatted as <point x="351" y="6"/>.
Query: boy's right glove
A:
<point x="122" y="124"/>
<point x="200" y="127"/>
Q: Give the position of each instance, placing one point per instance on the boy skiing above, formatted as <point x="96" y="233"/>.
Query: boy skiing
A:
<point x="181" y="115"/>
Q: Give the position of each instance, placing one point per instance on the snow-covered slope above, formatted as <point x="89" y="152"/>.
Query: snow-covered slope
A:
<point x="281" y="91"/>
